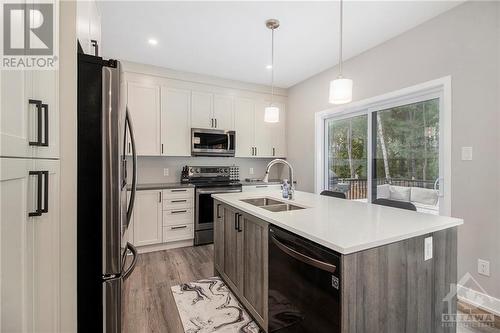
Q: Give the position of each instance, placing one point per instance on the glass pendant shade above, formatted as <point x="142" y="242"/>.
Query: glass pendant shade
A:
<point x="340" y="91"/>
<point x="271" y="114"/>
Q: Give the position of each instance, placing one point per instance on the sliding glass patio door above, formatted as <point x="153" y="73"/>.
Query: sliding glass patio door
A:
<point x="391" y="150"/>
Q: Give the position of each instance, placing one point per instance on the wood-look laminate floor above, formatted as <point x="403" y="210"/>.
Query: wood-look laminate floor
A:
<point x="148" y="304"/>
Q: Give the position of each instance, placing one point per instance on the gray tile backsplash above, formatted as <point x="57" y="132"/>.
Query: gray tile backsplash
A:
<point x="151" y="168"/>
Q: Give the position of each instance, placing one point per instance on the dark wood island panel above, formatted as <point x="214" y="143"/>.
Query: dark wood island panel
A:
<point x="392" y="289"/>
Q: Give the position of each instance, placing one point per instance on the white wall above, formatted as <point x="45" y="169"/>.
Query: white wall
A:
<point x="463" y="43"/>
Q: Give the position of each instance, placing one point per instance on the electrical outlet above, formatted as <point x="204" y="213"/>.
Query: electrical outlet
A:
<point x="466" y="153"/>
<point x="250" y="171"/>
<point x="483" y="267"/>
<point x="165" y="172"/>
<point x="427" y="248"/>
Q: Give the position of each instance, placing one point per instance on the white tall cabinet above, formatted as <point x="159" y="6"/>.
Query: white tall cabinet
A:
<point x="29" y="251"/>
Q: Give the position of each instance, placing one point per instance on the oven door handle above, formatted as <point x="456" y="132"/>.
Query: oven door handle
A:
<point x="217" y="191"/>
<point x="303" y="258"/>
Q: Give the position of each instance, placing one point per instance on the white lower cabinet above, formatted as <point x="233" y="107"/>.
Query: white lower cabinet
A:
<point x="147" y="218"/>
<point x="162" y="217"/>
<point x="29" y="245"/>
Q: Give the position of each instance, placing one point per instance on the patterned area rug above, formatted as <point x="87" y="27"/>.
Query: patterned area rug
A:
<point x="209" y="306"/>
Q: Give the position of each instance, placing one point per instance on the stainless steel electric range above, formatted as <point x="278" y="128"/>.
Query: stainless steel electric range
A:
<point x="207" y="181"/>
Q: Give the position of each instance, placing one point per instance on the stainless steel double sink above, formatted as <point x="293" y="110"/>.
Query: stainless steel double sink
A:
<point x="272" y="205"/>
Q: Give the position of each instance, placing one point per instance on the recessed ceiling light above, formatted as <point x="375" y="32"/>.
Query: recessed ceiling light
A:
<point x="152" y="41"/>
<point x="269" y="67"/>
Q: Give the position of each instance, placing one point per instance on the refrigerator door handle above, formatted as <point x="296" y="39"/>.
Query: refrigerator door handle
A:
<point x="126" y="273"/>
<point x="133" y="191"/>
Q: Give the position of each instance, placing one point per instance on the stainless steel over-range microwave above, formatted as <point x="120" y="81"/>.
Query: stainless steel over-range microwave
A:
<point x="212" y="142"/>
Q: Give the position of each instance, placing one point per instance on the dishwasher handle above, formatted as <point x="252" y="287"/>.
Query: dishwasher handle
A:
<point x="303" y="258"/>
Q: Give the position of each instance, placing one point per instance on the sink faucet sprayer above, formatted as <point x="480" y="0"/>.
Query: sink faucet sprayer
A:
<point x="290" y="171"/>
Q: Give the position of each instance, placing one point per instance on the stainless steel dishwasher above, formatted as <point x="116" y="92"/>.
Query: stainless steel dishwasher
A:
<point x="304" y="285"/>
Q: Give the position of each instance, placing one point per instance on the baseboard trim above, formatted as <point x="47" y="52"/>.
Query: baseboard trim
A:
<point x="165" y="246"/>
<point x="468" y="303"/>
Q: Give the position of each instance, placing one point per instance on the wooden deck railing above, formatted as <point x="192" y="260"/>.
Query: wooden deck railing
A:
<point x="357" y="188"/>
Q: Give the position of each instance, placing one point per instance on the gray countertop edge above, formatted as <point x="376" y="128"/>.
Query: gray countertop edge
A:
<point x="161" y="186"/>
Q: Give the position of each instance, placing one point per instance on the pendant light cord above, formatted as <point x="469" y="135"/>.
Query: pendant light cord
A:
<point x="340" y="38"/>
<point x="272" y="65"/>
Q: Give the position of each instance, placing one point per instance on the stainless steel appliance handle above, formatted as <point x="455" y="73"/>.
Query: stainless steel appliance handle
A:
<point x="126" y="273"/>
<point x="303" y="258"/>
<point x="133" y="191"/>
<point x="228" y="141"/>
<point x="215" y="190"/>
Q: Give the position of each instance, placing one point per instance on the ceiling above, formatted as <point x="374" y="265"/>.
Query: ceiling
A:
<point x="230" y="40"/>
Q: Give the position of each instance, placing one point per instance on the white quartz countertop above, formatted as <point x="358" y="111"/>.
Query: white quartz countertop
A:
<point x="342" y="225"/>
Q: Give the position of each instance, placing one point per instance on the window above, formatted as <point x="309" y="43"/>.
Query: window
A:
<point x="390" y="147"/>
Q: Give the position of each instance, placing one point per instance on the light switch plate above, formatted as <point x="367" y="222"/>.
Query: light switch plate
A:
<point x="165" y="172"/>
<point x="466" y="153"/>
<point x="250" y="171"/>
<point x="483" y="267"/>
<point x="428" y="248"/>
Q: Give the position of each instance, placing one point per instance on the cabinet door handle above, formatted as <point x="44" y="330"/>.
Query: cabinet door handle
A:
<point x="255" y="151"/>
<point x="178" y="190"/>
<point x="179" y="227"/>
<point x="239" y="223"/>
<point x="177" y="201"/>
<point x="179" y="211"/>
<point x="212" y="122"/>
<point x="215" y="122"/>
<point x="218" y="211"/>
<point x="235" y="221"/>
<point x="159" y="197"/>
<point x="162" y="148"/>
<point x="274" y="151"/>
<point x="42" y="111"/>
<point x="40" y="182"/>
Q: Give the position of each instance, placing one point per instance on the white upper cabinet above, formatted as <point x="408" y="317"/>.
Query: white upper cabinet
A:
<point x="212" y="111"/>
<point x="263" y="132"/>
<point x="244" y="125"/>
<point x="165" y="110"/>
<point x="29" y="124"/>
<point x="202" y="110"/>
<point x="223" y="112"/>
<point x="143" y="101"/>
<point x="175" y="126"/>
<point x="88" y="25"/>
<point x="278" y="145"/>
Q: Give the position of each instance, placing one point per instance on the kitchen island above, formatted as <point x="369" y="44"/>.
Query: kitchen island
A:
<point x="394" y="271"/>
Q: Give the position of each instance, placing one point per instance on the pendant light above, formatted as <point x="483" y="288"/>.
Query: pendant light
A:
<point x="340" y="88"/>
<point x="272" y="112"/>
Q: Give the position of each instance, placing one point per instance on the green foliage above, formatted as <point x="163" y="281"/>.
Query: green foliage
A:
<point x="411" y="136"/>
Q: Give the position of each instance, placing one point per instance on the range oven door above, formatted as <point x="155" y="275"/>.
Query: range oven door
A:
<point x="204" y="213"/>
<point x="209" y="142"/>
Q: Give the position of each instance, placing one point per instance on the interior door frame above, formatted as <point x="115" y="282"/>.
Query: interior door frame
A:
<point x="438" y="88"/>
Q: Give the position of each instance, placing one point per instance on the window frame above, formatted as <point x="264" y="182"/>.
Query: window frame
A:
<point x="439" y="88"/>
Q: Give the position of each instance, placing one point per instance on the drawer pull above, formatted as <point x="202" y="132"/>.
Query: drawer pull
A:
<point x="179" y="227"/>
<point x="177" y="201"/>
<point x="179" y="211"/>
<point x="260" y="186"/>
<point x="183" y="190"/>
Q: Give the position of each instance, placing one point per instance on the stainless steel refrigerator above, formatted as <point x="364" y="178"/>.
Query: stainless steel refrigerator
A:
<point x="105" y="258"/>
